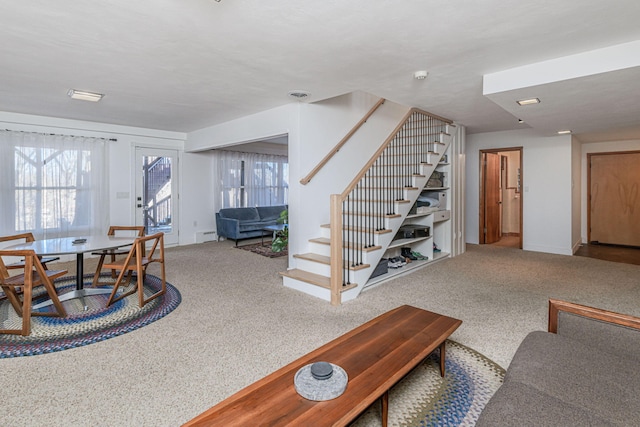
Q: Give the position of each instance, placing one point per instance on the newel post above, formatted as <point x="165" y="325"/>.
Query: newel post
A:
<point x="336" y="248"/>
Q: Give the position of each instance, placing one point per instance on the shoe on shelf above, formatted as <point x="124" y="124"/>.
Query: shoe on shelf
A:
<point x="436" y="248"/>
<point x="396" y="262"/>
<point x="393" y="263"/>
<point x="406" y="252"/>
<point x="419" y="256"/>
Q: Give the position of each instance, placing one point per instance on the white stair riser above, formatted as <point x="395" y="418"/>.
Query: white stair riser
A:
<point x="313" y="267"/>
<point x="320" y="249"/>
<point x="325" y="232"/>
<point x="307" y="288"/>
<point x="351" y="294"/>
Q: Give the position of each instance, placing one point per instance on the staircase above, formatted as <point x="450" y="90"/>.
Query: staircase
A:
<point x="365" y="217"/>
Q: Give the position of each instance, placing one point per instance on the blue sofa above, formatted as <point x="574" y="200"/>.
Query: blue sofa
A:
<point x="243" y="223"/>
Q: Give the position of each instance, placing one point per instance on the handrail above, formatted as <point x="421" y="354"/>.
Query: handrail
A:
<point x="339" y="145"/>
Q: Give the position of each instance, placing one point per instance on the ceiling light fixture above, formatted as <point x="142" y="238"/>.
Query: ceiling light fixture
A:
<point x="420" y="75"/>
<point x="84" y="95"/>
<point x="520" y="121"/>
<point x="564" y="132"/>
<point x="529" y="101"/>
<point x="299" y="94"/>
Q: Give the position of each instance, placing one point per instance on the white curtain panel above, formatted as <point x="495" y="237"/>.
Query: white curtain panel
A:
<point x="266" y="180"/>
<point x="52" y="185"/>
<point x="250" y="179"/>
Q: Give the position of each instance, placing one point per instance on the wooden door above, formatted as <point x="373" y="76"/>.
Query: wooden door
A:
<point x="614" y="211"/>
<point x="492" y="190"/>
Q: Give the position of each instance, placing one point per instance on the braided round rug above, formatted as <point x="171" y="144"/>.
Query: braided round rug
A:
<point x="88" y="319"/>
<point x="425" y="399"/>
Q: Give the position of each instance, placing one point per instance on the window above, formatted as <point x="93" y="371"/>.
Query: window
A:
<point x="250" y="179"/>
<point x="52" y="185"/>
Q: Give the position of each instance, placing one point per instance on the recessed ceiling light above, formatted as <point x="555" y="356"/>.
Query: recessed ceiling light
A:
<point x="529" y="101"/>
<point x="564" y="132"/>
<point x="520" y="121"/>
<point x="299" y="94"/>
<point x="420" y="75"/>
<point x="84" y="95"/>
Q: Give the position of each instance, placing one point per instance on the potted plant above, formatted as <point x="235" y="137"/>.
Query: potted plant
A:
<point x="282" y="237"/>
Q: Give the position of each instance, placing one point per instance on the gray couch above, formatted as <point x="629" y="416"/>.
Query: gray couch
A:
<point x="243" y="223"/>
<point x="584" y="372"/>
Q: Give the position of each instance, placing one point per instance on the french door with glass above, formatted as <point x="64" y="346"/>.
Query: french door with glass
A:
<point x="157" y="191"/>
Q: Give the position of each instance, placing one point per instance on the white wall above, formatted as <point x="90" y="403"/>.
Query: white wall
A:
<point x="546" y="189"/>
<point x="256" y="127"/>
<point x="120" y="164"/>
<point x="196" y="196"/>
<point x="598" y="147"/>
<point x="313" y="130"/>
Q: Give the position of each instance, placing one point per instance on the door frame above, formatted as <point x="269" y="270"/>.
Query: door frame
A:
<point x="482" y="194"/>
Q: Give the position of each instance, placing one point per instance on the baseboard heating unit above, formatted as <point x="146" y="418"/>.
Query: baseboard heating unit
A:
<point x="206" y="236"/>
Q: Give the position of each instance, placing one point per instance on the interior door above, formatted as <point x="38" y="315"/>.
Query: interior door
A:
<point x="492" y="197"/>
<point x="156" y="192"/>
<point x="614" y="211"/>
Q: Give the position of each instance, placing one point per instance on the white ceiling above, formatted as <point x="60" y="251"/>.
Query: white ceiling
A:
<point x="182" y="65"/>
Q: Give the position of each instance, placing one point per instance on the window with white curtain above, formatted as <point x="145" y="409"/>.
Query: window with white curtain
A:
<point x="250" y="179"/>
<point x="52" y="185"/>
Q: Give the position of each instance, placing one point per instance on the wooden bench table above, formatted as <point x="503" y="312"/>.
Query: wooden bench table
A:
<point x="375" y="357"/>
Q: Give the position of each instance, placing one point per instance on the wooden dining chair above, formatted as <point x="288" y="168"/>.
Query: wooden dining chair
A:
<point x="144" y="251"/>
<point x="113" y="253"/>
<point x="26" y="237"/>
<point x="34" y="274"/>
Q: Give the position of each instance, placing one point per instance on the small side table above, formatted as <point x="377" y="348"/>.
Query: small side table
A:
<point x="273" y="229"/>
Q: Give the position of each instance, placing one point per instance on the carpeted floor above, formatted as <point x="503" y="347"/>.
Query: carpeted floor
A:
<point x="88" y="319"/>
<point x="237" y="323"/>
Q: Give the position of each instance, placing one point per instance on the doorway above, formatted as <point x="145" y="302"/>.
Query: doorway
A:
<point x="156" y="192"/>
<point x="501" y="181"/>
<point x="613" y="182"/>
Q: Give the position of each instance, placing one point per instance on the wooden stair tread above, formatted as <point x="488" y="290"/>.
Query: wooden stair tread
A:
<point x="391" y="155"/>
<point x="396" y="165"/>
<point x="404" y="187"/>
<point x="372" y="214"/>
<point x="385" y="231"/>
<point x="322" y="259"/>
<point x="379" y="201"/>
<point x="413" y="175"/>
<point x="314" y="279"/>
<point x="327" y="241"/>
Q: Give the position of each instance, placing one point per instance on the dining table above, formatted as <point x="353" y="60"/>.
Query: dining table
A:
<point x="79" y="246"/>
